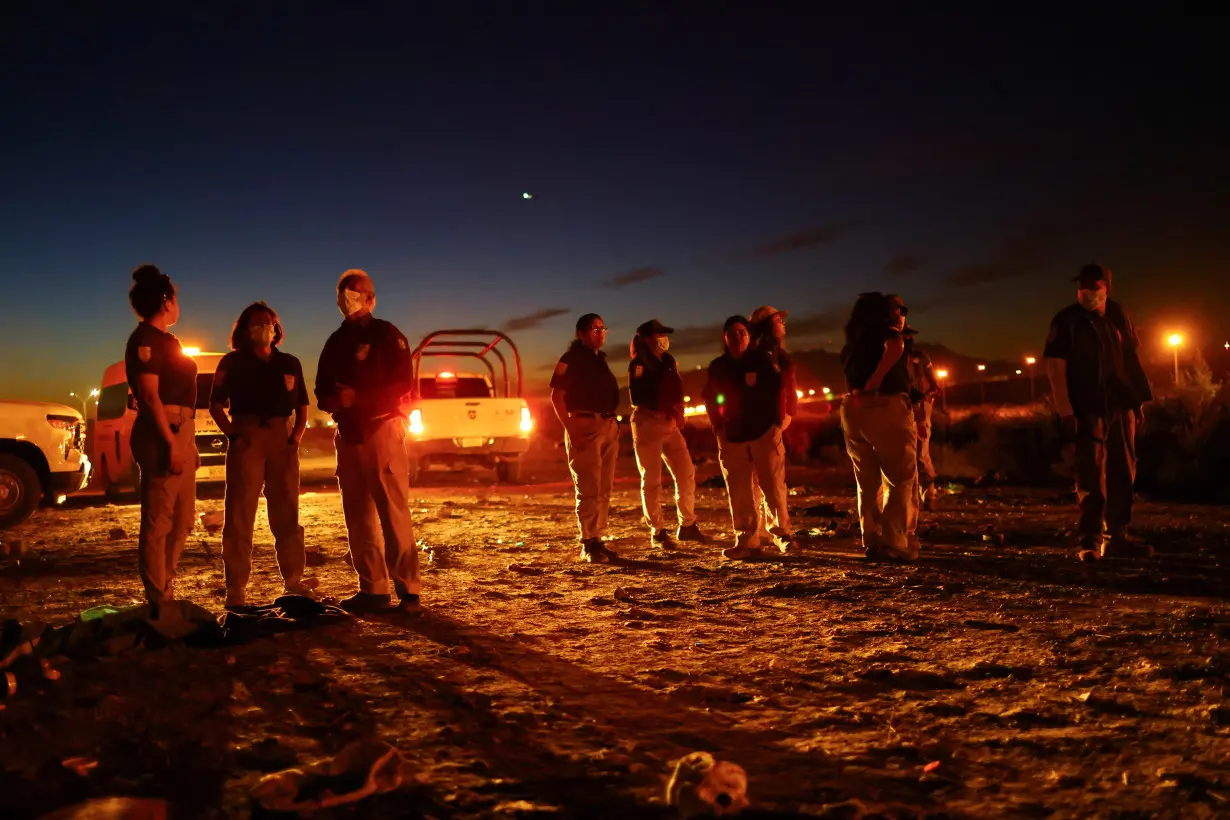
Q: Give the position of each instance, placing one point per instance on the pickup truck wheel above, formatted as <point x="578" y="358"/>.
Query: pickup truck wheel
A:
<point x="20" y="490"/>
<point x="508" y="472"/>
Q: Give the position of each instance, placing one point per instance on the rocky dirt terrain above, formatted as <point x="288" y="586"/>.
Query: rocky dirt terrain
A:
<point x="996" y="678"/>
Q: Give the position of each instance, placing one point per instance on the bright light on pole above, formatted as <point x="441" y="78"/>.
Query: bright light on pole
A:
<point x="941" y="374"/>
<point x="1031" y="361"/>
<point x="1175" y="341"/>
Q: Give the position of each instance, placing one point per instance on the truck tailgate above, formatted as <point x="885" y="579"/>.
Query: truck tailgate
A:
<point x="471" y="421"/>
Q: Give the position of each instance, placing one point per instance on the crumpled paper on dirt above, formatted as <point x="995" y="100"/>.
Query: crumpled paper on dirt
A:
<point x="704" y="787"/>
<point x="361" y="769"/>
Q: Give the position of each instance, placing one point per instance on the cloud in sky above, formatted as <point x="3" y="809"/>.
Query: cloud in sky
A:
<point x="905" y="263"/>
<point x="535" y="319"/>
<point x="632" y="277"/>
<point x="807" y="238"/>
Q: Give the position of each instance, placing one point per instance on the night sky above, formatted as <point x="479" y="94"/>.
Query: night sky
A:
<point x="683" y="166"/>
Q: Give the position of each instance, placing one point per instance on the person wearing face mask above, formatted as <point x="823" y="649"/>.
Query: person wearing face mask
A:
<point x="585" y="395"/>
<point x="163" y="442"/>
<point x="881" y="436"/>
<point x="364" y="379"/>
<point x="1099" y="389"/>
<point x="263" y="390"/>
<point x="656" y="391"/>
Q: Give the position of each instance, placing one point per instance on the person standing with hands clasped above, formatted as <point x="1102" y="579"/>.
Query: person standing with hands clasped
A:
<point x="364" y="379"/>
<point x="772" y="400"/>
<point x="163" y="380"/>
<point x="1099" y="388"/>
<point x="585" y="394"/>
<point x="656" y="390"/>
<point x="878" y="422"/>
<point x="268" y="402"/>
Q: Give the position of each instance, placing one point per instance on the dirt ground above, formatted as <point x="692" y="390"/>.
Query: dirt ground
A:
<point x="995" y="678"/>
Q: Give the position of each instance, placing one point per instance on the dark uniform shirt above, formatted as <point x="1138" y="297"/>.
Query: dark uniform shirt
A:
<point x="256" y="387"/>
<point x="587" y="381"/>
<point x="157" y="352"/>
<point x="372" y="357"/>
<point x="655" y="384"/>
<point x="918" y="364"/>
<point x="1104" y="371"/>
<point x="723" y="394"/>
<point x="861" y="357"/>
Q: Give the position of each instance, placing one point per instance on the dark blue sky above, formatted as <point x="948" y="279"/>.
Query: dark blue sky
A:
<point x="719" y="160"/>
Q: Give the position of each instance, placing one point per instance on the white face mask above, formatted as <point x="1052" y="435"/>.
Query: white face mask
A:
<point x="1091" y="299"/>
<point x="663" y="343"/>
<point x="352" y="302"/>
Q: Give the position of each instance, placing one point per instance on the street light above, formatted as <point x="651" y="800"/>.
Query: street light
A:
<point x="1175" y="341"/>
<point x="941" y="374"/>
<point x="1031" y="361"/>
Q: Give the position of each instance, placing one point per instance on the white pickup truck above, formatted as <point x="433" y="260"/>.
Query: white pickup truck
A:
<point x="42" y="455"/>
<point x="468" y="418"/>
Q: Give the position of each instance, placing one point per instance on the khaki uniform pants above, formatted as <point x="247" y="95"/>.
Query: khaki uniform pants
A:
<point x="656" y="438"/>
<point x="1105" y="472"/>
<point x="168" y="505"/>
<point x="263" y="456"/>
<point x="374" y="477"/>
<point x="922" y="419"/>
<point x="749" y="467"/>
<point x="882" y="441"/>
<point x="593" y="450"/>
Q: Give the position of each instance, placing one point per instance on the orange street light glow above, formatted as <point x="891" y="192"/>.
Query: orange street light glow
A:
<point x="192" y="351"/>
<point x="982" y="367"/>
<point x="1175" y="340"/>
<point x="1030" y="360"/>
<point x="941" y="374"/>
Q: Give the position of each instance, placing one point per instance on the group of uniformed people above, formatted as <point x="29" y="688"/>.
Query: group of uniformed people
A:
<point x="259" y="401"/>
<point x="751" y="398"/>
<point x="1098" y="388"/>
<point x="364" y="378"/>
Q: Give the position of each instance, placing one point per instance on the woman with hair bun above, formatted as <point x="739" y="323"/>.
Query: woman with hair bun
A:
<point x="163" y="380"/>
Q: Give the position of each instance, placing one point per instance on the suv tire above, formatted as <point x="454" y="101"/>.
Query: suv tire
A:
<point x="20" y="490"/>
<point x="508" y="472"/>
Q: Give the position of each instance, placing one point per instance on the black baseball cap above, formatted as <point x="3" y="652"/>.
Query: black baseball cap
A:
<point x="652" y="327"/>
<point x="1092" y="273"/>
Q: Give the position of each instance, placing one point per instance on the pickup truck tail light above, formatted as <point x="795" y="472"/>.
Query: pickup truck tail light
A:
<point x="416" y="422"/>
<point x="527" y="421"/>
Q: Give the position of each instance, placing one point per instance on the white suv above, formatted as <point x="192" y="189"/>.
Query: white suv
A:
<point x="41" y="456"/>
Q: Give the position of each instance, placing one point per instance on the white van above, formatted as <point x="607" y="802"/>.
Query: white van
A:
<point x="117" y="473"/>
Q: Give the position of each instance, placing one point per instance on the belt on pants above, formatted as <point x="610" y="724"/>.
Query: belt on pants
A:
<point x="586" y="414"/>
<point x="263" y="421"/>
<point x="176" y="412"/>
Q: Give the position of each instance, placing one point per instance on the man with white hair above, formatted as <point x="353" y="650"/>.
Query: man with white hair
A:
<point x="364" y="379"/>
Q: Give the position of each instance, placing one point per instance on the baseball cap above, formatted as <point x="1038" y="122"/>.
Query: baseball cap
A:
<point x="766" y="312"/>
<point x="653" y="326"/>
<point x="1093" y="273"/>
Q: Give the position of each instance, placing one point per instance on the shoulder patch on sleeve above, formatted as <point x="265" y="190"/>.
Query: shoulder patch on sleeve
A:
<point x="144" y="354"/>
<point x="561" y="368"/>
